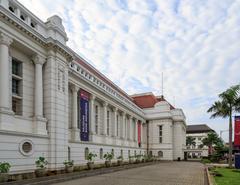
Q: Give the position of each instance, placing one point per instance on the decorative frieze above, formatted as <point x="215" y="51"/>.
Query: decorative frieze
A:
<point x="104" y="87"/>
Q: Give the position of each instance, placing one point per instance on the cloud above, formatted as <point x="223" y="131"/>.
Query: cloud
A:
<point x="195" y="43"/>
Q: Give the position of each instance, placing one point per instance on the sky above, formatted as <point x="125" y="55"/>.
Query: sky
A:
<point x="194" y="43"/>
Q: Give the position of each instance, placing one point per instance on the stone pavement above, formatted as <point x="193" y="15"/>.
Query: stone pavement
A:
<point x="164" y="173"/>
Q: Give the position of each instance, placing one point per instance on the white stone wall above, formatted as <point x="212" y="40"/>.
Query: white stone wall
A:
<point x="167" y="136"/>
<point x="178" y="141"/>
<point x="9" y="150"/>
<point x="78" y="152"/>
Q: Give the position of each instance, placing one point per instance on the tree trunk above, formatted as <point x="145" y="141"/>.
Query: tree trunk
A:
<point x="230" y="140"/>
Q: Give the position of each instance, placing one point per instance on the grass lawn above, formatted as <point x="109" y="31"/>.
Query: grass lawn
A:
<point x="229" y="177"/>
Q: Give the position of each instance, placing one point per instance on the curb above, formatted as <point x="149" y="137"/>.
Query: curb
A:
<point x="209" y="177"/>
<point x="75" y="175"/>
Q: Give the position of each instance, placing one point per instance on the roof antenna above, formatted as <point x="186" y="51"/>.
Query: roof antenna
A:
<point x="162" y="85"/>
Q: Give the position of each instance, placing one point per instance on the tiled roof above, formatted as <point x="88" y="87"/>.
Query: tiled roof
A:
<point x="201" y="128"/>
<point x="148" y="100"/>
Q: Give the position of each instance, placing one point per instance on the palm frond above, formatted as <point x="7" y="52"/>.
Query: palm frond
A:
<point x="219" y="109"/>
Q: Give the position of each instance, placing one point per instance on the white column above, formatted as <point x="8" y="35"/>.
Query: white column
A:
<point x="38" y="106"/>
<point x="123" y="125"/>
<point x="141" y="132"/>
<point x="104" y="132"/>
<point x="5" y="41"/>
<point x="75" y="90"/>
<point x="75" y="129"/>
<point x="136" y="130"/>
<point x="92" y="117"/>
<point x="114" y="124"/>
<point x="130" y="128"/>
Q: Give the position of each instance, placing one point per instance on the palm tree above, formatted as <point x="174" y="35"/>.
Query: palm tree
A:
<point x="211" y="139"/>
<point x="190" y="141"/>
<point x="229" y="102"/>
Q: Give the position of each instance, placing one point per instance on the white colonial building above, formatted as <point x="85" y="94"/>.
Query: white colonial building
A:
<point x="198" y="133"/>
<point x="53" y="103"/>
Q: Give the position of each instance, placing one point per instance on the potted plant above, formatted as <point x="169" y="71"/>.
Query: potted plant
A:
<point x="108" y="159"/>
<point x="138" y="158"/>
<point x="90" y="159"/>
<point x="4" y="169"/>
<point x="69" y="165"/>
<point x="131" y="159"/>
<point x="41" y="164"/>
<point x="120" y="160"/>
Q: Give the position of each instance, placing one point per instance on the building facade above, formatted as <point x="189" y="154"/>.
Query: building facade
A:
<point x="198" y="133"/>
<point x="53" y="103"/>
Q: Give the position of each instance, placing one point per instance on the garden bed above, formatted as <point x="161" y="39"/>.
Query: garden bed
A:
<point x="225" y="176"/>
<point x="79" y="171"/>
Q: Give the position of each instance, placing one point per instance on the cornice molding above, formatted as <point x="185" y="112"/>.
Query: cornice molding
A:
<point x="48" y="43"/>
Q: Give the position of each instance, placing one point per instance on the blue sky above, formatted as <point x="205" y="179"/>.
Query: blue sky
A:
<point x="195" y="43"/>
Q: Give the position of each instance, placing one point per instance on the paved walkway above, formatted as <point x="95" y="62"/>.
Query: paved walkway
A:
<point x="165" y="173"/>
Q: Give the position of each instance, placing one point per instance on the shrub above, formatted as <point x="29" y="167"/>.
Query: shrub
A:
<point x="68" y="163"/>
<point x="205" y="161"/>
<point x="41" y="162"/>
<point x="120" y="157"/>
<point x="91" y="157"/>
<point x="108" y="156"/>
<point x="4" y="167"/>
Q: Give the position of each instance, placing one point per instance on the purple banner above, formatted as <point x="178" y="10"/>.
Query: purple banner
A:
<point x="84" y="104"/>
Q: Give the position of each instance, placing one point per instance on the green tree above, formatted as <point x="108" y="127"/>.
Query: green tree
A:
<point x="190" y="141"/>
<point x="228" y="103"/>
<point x="211" y="140"/>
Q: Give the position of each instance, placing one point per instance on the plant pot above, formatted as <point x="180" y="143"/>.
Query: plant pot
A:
<point x="3" y="177"/>
<point x="41" y="172"/>
<point x="90" y="165"/>
<point x="120" y="162"/>
<point x="69" y="169"/>
<point x="108" y="163"/>
<point x="137" y="160"/>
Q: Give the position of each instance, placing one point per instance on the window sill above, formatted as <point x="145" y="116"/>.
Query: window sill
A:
<point x="17" y="96"/>
<point x="16" y="77"/>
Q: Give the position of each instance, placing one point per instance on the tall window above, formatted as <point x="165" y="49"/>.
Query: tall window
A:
<point x="160" y="133"/>
<point x="86" y="153"/>
<point x="121" y="153"/>
<point x="69" y="153"/>
<point x="160" y="154"/>
<point x="108" y="123"/>
<point x="17" y="86"/>
<point x="117" y="125"/>
<point x="129" y="153"/>
<point x="96" y="119"/>
<point x="112" y="152"/>
<point x="101" y="153"/>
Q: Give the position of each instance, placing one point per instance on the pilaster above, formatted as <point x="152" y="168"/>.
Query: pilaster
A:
<point x="39" y="126"/>
<point x="5" y="42"/>
<point x="92" y="115"/>
<point x="75" y="135"/>
<point x="104" y="131"/>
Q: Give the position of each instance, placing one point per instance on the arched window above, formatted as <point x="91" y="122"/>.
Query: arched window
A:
<point x="129" y="153"/>
<point x="135" y="153"/>
<point x="69" y="153"/>
<point x="150" y="153"/>
<point x="112" y="152"/>
<point x="160" y="154"/>
<point x="86" y="153"/>
<point x="101" y="153"/>
<point x="122" y="153"/>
